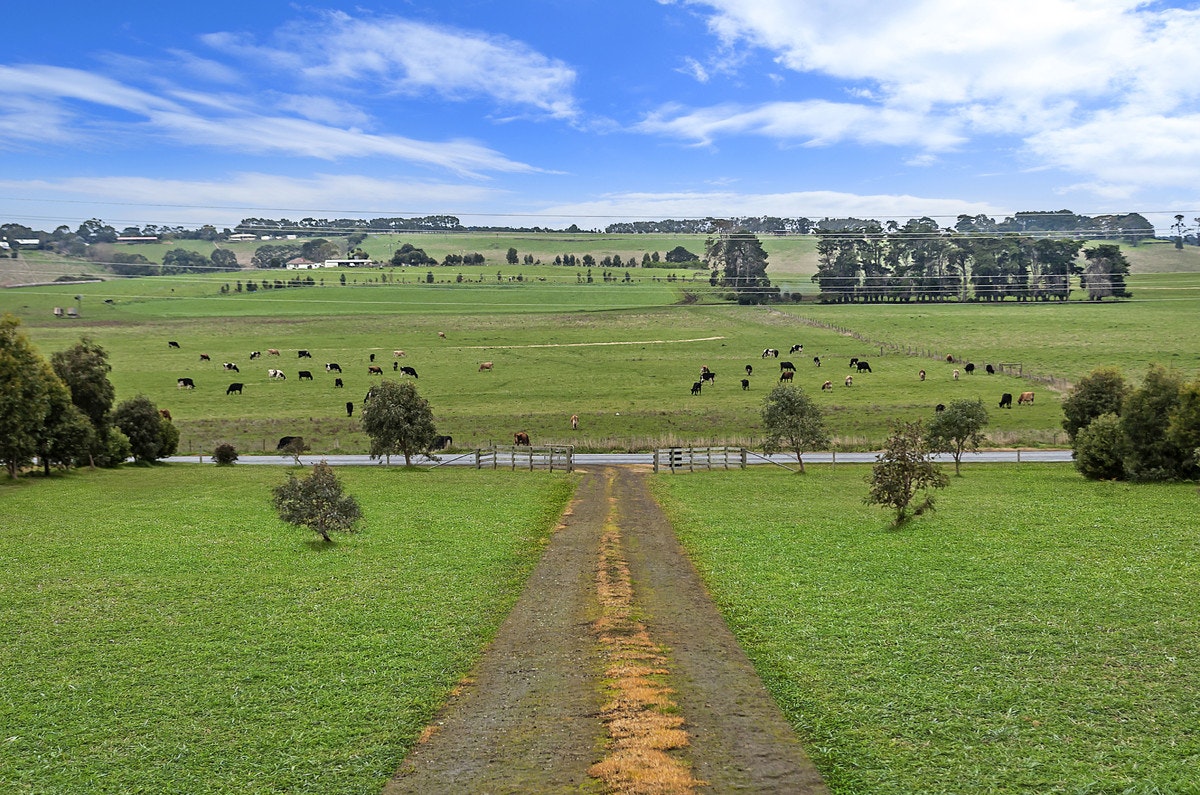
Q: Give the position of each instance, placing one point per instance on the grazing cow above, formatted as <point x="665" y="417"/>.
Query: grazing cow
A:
<point x="864" y="367"/>
<point x="990" y="370"/>
<point x="185" y="383"/>
<point x="1006" y="400"/>
<point x="441" y="443"/>
<point x="520" y="437"/>
<point x="277" y="375"/>
<point x="786" y="366"/>
<point x="849" y="380"/>
<point x="230" y="366"/>
<point x="255" y="354"/>
<point x="337" y="383"/>
<point x="797" y="348"/>
<point x="921" y="375"/>
<point x="285" y="441"/>
<point x="204" y="357"/>
<point x="272" y="351"/>
<point x="749" y="370"/>
<point x="940" y="407"/>
<point x="408" y="371"/>
<point x="333" y="367"/>
<point x="574" y="422"/>
<point x="485" y="366"/>
<point x="172" y="344"/>
<point x="827" y="385"/>
<point x="442" y="335"/>
<point x="817" y="361"/>
<point x="773" y="352"/>
<point x="696" y="388"/>
<point x="303" y="355"/>
<point x="955" y="373"/>
<point x="949" y="358"/>
<point x="703" y="369"/>
<point x="786" y="375"/>
<point x="372" y="357"/>
<point x="234" y="387"/>
<point x="165" y="414"/>
<point x="395" y="366"/>
<point x="853" y="362"/>
<point x="349" y="409"/>
<point x="1026" y="397"/>
<point x="305" y="375"/>
<point x="745" y="384"/>
<point x="374" y="370"/>
<point x="398" y="354"/>
<point x="969" y="368"/>
<point x="708" y="375"/>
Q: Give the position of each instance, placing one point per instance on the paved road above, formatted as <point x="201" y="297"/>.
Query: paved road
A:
<point x="627" y="459"/>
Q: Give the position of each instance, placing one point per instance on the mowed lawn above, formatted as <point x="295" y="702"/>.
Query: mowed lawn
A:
<point x="162" y="631"/>
<point x="1037" y="633"/>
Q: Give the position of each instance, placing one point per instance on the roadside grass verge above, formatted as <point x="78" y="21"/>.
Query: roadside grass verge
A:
<point x="162" y="631"/>
<point x="1037" y="633"/>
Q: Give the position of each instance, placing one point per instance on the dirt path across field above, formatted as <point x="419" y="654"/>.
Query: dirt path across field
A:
<point x="614" y="635"/>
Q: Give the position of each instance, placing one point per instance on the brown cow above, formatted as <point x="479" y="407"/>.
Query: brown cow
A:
<point x="166" y="415"/>
<point x="442" y="334"/>
<point x="574" y="422"/>
<point x="485" y="366"/>
<point x="374" y="370"/>
<point x="1026" y="397"/>
<point x="398" y="354"/>
<point x="921" y="375"/>
<point x="786" y="375"/>
<point x="521" y="438"/>
<point x="272" y="351"/>
<point x="204" y="357"/>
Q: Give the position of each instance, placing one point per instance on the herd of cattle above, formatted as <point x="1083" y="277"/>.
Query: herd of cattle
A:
<point x="787" y="373"/>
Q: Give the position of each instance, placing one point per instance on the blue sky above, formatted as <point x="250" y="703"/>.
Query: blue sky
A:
<point x="552" y="112"/>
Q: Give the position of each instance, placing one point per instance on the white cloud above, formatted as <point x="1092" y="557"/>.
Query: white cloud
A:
<point x="405" y="57"/>
<point x="224" y="202"/>
<point x="200" y="120"/>
<point x="812" y="122"/>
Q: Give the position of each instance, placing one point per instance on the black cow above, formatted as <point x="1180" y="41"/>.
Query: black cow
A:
<point x="749" y="369"/>
<point x="285" y="441"/>
<point x="172" y="344"/>
<point x="349" y="409"/>
<point x="786" y="366"/>
<point x="255" y="354"/>
<point x="854" y="362"/>
<point x="1006" y="400"/>
<point x="337" y="383"/>
<point x="696" y="388"/>
<point x="234" y="388"/>
<point x="333" y="367"/>
<point x="441" y="443"/>
<point x="990" y="370"/>
<point x="745" y="383"/>
<point x="231" y="366"/>
<point x="864" y="367"/>
<point x="395" y="366"/>
<point x="797" y="348"/>
<point x="305" y="375"/>
<point x="969" y="368"/>
<point x="940" y="407"/>
<point x="185" y="383"/>
<point x="372" y="357"/>
<point x="817" y="361"/>
<point x="708" y="375"/>
<point x="303" y="355"/>
<point x="408" y="371"/>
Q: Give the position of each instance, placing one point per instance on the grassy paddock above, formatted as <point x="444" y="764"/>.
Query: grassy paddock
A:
<point x="1038" y="633"/>
<point x="163" y="631"/>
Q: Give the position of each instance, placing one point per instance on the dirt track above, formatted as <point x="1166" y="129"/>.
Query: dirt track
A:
<point x="531" y="718"/>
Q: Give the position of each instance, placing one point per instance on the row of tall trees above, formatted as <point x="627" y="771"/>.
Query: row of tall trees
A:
<point x="61" y="411"/>
<point x="921" y="262"/>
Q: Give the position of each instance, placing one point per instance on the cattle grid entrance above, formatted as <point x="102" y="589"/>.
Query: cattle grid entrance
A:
<point x="550" y="457"/>
<point x="690" y="459"/>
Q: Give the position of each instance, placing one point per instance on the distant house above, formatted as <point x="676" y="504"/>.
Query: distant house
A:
<point x="137" y="239"/>
<point x="349" y="263"/>
<point x="301" y="264"/>
<point x="242" y="237"/>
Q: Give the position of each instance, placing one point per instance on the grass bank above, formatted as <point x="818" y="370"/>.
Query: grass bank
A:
<point x="1038" y="633"/>
<point x="162" y="631"/>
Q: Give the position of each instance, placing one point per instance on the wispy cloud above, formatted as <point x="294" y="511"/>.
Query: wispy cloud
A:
<point x="405" y="57"/>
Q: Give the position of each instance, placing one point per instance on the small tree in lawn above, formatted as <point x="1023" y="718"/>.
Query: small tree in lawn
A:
<point x="791" y="419"/>
<point x="957" y="429"/>
<point x="317" y="502"/>
<point x="904" y="468"/>
<point x="398" y="420"/>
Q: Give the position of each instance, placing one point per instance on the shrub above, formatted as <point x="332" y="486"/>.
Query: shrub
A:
<point x="1097" y="449"/>
<point x="225" y="454"/>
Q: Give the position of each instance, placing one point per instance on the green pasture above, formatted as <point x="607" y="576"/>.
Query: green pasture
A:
<point x="622" y="357"/>
<point x="163" y="631"/>
<point x="1037" y="633"/>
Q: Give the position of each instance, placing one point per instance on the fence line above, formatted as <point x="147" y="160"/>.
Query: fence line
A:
<point x="549" y="457"/>
<point x="690" y="459"/>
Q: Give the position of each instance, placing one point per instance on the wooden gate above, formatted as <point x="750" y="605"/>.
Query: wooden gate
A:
<point x="690" y="459"/>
